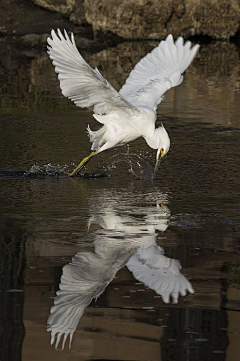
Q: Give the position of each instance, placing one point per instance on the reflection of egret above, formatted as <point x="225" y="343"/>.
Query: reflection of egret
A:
<point x="123" y="240"/>
<point x="130" y="113"/>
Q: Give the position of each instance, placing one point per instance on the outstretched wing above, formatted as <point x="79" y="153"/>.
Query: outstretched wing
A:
<point x="158" y="71"/>
<point x="78" y="81"/>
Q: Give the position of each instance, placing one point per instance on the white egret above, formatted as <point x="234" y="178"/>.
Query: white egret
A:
<point x="130" y="113"/>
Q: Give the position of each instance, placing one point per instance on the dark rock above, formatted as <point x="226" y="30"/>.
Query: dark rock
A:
<point x="154" y="19"/>
<point x="64" y="7"/>
<point x="214" y="18"/>
<point x="89" y="45"/>
<point x="21" y="17"/>
<point x="33" y="40"/>
<point x="130" y="19"/>
<point x="78" y="14"/>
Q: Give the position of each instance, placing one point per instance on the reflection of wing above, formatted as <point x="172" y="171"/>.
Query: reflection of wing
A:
<point x="158" y="71"/>
<point x="82" y="280"/>
<point x="160" y="273"/>
<point x="79" y="82"/>
<point x="90" y="272"/>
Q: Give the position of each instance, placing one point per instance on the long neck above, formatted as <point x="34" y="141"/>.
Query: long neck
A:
<point x="153" y="139"/>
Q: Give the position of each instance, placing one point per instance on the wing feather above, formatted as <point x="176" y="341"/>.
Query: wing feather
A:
<point x="79" y="82"/>
<point x="158" y="71"/>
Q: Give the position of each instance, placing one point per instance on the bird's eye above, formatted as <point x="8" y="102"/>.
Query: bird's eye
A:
<point x="162" y="152"/>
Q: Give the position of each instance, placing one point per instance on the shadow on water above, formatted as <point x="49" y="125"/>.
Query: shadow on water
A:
<point x="12" y="265"/>
<point x="194" y="334"/>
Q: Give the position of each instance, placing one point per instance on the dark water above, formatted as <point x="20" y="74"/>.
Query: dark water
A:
<point x="140" y="247"/>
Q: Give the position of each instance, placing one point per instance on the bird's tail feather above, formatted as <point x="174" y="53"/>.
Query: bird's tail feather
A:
<point x="96" y="137"/>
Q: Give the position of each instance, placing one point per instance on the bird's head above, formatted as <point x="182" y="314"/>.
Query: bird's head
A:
<point x="159" y="140"/>
<point x="163" y="144"/>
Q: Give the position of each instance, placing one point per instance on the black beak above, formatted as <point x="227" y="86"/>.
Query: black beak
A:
<point x="160" y="155"/>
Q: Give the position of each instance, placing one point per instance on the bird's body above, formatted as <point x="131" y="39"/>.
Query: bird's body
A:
<point x="130" y="113"/>
<point x="118" y="130"/>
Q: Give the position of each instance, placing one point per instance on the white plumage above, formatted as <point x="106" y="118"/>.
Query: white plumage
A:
<point x="78" y="81"/>
<point x="157" y="72"/>
<point x="131" y="112"/>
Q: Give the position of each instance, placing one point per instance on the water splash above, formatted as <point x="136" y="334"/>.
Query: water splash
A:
<point x="135" y="162"/>
<point x="137" y="165"/>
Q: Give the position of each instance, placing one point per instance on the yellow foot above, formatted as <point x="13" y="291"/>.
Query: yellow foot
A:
<point x="82" y="164"/>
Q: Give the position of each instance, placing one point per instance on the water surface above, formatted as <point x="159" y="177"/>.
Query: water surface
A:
<point x="121" y="227"/>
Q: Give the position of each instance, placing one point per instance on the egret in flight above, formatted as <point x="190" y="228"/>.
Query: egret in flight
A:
<point x="130" y="113"/>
